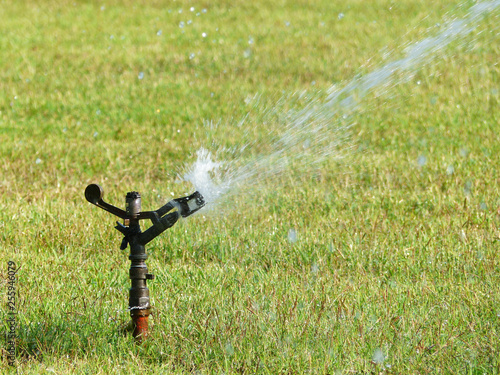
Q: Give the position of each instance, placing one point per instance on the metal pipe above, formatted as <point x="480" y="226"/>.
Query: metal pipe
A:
<point x="139" y="305"/>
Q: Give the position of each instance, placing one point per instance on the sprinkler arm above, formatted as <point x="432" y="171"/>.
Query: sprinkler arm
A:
<point x="161" y="219"/>
<point x="94" y="194"/>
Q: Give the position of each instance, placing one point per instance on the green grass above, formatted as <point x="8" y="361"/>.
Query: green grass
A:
<point x="392" y="255"/>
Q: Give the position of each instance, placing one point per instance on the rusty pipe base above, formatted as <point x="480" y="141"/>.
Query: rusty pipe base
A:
<point x="140" y="324"/>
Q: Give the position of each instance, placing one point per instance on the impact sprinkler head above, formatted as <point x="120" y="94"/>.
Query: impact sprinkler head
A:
<point x="162" y="219"/>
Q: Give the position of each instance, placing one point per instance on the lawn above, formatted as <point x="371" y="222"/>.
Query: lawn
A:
<point x="359" y="234"/>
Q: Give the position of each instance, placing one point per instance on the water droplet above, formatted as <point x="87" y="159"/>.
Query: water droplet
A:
<point x="421" y="160"/>
<point x="250" y="40"/>
<point x="159" y="32"/>
<point x="140" y="75"/>
<point x="229" y="349"/>
<point x="189" y="22"/>
<point x="38" y="161"/>
<point x="464" y="152"/>
<point x="378" y="356"/>
<point x="181" y="24"/>
<point x="287" y="23"/>
<point x="341" y="15"/>
<point x="95" y="134"/>
<point x="450" y="170"/>
<point x="468" y="187"/>
<point x="204" y="10"/>
<point x="102" y="8"/>
<point x="98" y="112"/>
<point x="191" y="9"/>
<point x="191" y="56"/>
<point x="292" y="235"/>
<point x="314" y="268"/>
<point x="203" y="35"/>
<point x="419" y="82"/>
<point x="247" y="53"/>
<point x="483" y="206"/>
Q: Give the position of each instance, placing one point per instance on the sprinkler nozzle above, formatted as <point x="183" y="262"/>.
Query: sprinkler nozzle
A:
<point x="190" y="204"/>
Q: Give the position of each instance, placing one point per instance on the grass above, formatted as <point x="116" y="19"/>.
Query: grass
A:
<point x="395" y="265"/>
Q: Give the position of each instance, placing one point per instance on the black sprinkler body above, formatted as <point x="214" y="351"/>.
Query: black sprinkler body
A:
<point x="162" y="219"/>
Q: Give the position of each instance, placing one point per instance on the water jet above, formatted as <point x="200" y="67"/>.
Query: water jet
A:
<point x="162" y="219"/>
<point x="320" y="124"/>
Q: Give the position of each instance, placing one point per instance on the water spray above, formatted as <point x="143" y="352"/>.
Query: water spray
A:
<point x="162" y="219"/>
<point x="319" y="128"/>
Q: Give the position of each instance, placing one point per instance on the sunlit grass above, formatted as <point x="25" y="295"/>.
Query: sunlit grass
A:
<point x="382" y="261"/>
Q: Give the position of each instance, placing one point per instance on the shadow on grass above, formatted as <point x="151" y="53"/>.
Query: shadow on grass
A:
<point x="70" y="338"/>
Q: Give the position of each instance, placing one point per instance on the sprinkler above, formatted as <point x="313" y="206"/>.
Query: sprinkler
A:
<point x="162" y="219"/>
